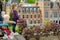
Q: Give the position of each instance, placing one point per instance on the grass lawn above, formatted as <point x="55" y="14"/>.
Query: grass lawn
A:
<point x="10" y="27"/>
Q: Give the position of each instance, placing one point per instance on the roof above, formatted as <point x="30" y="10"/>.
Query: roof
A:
<point x="29" y="6"/>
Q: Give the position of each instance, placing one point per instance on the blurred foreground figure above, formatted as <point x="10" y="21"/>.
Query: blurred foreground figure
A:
<point x="1" y="11"/>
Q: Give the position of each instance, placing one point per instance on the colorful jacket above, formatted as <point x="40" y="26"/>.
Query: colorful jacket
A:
<point x="15" y="14"/>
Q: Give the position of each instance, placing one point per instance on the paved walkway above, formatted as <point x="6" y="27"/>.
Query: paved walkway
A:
<point x="16" y="37"/>
<point x="20" y="37"/>
<point x="47" y="38"/>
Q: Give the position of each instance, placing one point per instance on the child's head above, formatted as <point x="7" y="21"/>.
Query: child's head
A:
<point x="8" y="10"/>
<point x="14" y="6"/>
<point x="3" y="13"/>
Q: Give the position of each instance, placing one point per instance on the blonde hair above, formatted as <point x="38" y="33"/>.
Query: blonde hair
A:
<point x="8" y="10"/>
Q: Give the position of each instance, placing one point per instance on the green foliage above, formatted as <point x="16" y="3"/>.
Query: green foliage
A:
<point x="10" y="27"/>
<point x="6" y="0"/>
<point x="19" y="1"/>
<point x="47" y="22"/>
<point x="10" y="16"/>
<point x="31" y="1"/>
<point x="10" y="19"/>
<point x="19" y="30"/>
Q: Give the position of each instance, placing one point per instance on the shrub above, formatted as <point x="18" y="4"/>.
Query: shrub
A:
<point x="47" y="23"/>
<point x="31" y="1"/>
<point x="19" y="30"/>
<point x="19" y="1"/>
<point x="6" y="0"/>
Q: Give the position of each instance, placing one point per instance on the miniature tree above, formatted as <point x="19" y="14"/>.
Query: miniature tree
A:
<point x="6" y="0"/>
<point x="31" y="1"/>
<point x="19" y="1"/>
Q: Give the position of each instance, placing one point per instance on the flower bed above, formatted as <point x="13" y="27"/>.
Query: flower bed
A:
<point x="37" y="32"/>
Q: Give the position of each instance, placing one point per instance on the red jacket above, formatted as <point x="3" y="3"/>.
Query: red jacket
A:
<point x="7" y="30"/>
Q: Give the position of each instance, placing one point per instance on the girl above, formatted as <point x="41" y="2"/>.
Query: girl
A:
<point x="15" y="16"/>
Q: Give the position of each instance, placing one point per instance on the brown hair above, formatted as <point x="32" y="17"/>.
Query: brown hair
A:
<point x="13" y="6"/>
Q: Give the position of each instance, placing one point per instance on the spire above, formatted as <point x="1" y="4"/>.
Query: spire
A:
<point x="21" y="0"/>
<point x="21" y="3"/>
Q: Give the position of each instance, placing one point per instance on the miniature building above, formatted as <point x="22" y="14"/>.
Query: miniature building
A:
<point x="31" y="13"/>
<point x="50" y="10"/>
<point x="45" y="10"/>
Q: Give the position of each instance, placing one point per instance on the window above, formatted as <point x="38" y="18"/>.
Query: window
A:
<point x="51" y="5"/>
<point x="51" y="16"/>
<point x="38" y="15"/>
<point x="33" y="9"/>
<point x="23" y="10"/>
<point x="31" y="16"/>
<point x="23" y="16"/>
<point x="37" y="10"/>
<point x="34" y="16"/>
<point x="46" y="14"/>
<point x="58" y="4"/>
<point x="31" y="22"/>
<point x="34" y="21"/>
<point x="59" y="21"/>
<point x="27" y="16"/>
<point x="55" y="13"/>
<point x="56" y="21"/>
<point x="38" y="21"/>
<point x="29" y="10"/>
<point x="26" y="9"/>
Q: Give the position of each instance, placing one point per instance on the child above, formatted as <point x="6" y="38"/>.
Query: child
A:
<point x="15" y="16"/>
<point x="1" y="19"/>
<point x="6" y="20"/>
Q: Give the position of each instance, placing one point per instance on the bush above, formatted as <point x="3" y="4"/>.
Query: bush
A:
<point x="19" y="30"/>
<point x="19" y="1"/>
<point x="31" y="1"/>
<point x="47" y="23"/>
<point x="6" y="0"/>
